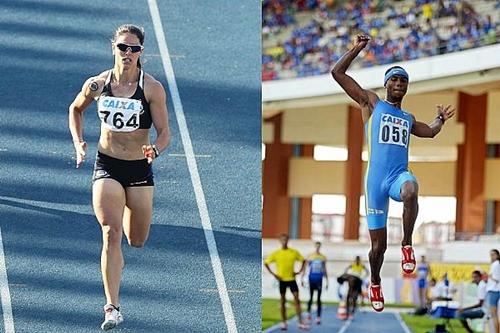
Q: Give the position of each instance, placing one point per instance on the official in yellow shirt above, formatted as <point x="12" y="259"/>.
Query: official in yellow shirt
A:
<point x="284" y="260"/>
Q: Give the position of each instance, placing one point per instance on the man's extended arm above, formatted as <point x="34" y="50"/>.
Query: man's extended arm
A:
<point x="424" y="130"/>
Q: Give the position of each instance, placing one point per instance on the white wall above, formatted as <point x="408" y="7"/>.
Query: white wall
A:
<point x="470" y="251"/>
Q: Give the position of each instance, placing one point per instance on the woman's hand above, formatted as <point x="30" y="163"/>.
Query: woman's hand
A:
<point x="81" y="151"/>
<point x="150" y="152"/>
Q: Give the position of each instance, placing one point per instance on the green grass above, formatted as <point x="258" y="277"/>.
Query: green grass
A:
<point x="424" y="324"/>
<point x="271" y="312"/>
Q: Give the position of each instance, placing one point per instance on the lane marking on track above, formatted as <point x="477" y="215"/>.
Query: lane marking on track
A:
<point x="51" y="209"/>
<point x="209" y="290"/>
<point x="402" y="323"/>
<point x="8" y="319"/>
<point x="184" y="155"/>
<point x="193" y="168"/>
<point x="345" y="326"/>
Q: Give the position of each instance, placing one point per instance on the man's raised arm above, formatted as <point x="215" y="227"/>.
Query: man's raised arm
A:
<point x="365" y="98"/>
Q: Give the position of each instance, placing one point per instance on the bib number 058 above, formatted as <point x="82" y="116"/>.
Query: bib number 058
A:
<point x="397" y="135"/>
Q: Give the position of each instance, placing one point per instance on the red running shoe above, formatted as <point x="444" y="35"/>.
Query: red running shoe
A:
<point x="376" y="297"/>
<point x="408" y="262"/>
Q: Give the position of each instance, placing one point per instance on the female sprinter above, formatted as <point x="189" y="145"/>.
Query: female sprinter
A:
<point x="128" y="102"/>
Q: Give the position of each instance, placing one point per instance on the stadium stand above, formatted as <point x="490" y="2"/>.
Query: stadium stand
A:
<point x="306" y="37"/>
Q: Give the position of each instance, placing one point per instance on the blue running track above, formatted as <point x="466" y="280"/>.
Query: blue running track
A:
<point x="365" y="321"/>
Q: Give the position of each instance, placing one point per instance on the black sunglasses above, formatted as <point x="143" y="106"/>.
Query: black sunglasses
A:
<point x="133" y="48"/>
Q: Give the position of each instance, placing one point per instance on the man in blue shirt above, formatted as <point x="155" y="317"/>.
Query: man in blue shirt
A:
<point x="388" y="130"/>
<point x="316" y="266"/>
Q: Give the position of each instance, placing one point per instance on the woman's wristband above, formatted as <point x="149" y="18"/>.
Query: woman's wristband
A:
<point x="157" y="152"/>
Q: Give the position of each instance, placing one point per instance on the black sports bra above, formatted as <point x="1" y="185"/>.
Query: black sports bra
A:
<point x="120" y="114"/>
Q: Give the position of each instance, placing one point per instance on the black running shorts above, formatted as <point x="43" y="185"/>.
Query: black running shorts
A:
<point x="288" y="284"/>
<point x="127" y="173"/>
<point x="316" y="284"/>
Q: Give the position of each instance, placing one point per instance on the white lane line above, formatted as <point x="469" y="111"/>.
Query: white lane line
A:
<point x="402" y="323"/>
<point x="47" y="205"/>
<point x="193" y="168"/>
<point x="8" y="319"/>
<point x="345" y="326"/>
<point x="184" y="155"/>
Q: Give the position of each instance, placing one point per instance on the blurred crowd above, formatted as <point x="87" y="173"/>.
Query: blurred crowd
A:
<point x="399" y="30"/>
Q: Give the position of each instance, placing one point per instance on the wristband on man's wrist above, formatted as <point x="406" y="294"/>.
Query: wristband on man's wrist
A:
<point x="440" y="117"/>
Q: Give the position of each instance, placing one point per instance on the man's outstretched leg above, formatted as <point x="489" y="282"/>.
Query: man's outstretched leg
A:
<point x="409" y="196"/>
<point x="379" y="245"/>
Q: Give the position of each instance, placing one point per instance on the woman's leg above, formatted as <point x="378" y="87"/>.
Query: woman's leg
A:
<point x="137" y="214"/>
<point x="108" y="199"/>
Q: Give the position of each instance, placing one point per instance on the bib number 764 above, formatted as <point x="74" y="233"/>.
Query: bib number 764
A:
<point x="120" y="114"/>
<point x="118" y="119"/>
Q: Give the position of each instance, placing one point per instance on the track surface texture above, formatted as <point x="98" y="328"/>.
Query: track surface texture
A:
<point x="366" y="321"/>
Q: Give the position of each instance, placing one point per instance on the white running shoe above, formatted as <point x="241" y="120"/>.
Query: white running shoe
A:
<point x="112" y="317"/>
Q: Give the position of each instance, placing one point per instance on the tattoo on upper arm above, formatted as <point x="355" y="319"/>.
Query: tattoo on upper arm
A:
<point x="93" y="86"/>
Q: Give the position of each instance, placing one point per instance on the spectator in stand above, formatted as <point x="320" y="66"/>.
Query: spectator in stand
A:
<point x="427" y="10"/>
